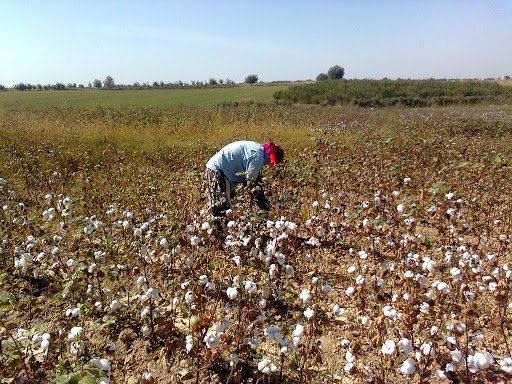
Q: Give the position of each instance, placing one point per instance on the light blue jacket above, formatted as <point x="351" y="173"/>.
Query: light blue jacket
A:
<point x="240" y="161"/>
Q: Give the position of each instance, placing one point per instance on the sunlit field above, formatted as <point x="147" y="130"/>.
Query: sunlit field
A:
<point x="386" y="257"/>
<point x="132" y="97"/>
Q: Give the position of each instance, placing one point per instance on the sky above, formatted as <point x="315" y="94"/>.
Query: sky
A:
<point x="72" y="41"/>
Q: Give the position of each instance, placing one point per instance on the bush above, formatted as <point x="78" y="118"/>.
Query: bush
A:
<point x="413" y="93"/>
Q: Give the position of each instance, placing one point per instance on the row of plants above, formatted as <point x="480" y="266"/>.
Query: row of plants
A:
<point x="383" y="93"/>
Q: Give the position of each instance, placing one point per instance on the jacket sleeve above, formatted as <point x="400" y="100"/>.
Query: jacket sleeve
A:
<point x="253" y="168"/>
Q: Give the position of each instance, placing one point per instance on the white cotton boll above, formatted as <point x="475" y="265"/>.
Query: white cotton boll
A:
<point x="189" y="343"/>
<point x="92" y="268"/>
<point x="250" y="287"/>
<point x="400" y="208"/>
<point x="309" y="313"/>
<point x="266" y="366"/>
<point x="70" y="263"/>
<point x="337" y="310"/>
<point x="389" y="312"/>
<point x="205" y="226"/>
<point x="408" y="367"/>
<point x="351" y="269"/>
<point x="305" y="295"/>
<point x="194" y="240"/>
<point x="441" y="375"/>
<point x="203" y="279"/>
<point x="280" y="258"/>
<point x="364" y="320"/>
<point x="405" y="345"/>
<point x="189" y="297"/>
<point x="360" y="280"/>
<point x="75" y="333"/>
<point x="145" y="330"/>
<point x="363" y="255"/>
<point x="298" y="331"/>
<point x="409" y="274"/>
<point x="45" y="344"/>
<point x="115" y="305"/>
<point x="232" y="293"/>
<point x="429" y="265"/>
<point x="289" y="270"/>
<point x="272" y="271"/>
<point x="350" y="357"/>
<point x="483" y="360"/>
<point x="102" y="364"/>
<point x="350" y="291"/>
<point x="389" y="347"/>
<point x="427" y="349"/>
<point x="153" y="294"/>
<point x="349" y="368"/>
<point x="443" y="287"/>
<point x="164" y="243"/>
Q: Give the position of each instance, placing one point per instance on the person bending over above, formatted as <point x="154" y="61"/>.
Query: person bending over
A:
<point x="239" y="163"/>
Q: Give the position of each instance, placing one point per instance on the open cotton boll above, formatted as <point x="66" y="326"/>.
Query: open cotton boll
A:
<point x="408" y="367"/>
<point x="389" y="347"/>
<point x="266" y="366"/>
<point x="232" y="293"/>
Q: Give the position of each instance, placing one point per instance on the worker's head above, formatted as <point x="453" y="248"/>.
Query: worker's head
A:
<point x="274" y="152"/>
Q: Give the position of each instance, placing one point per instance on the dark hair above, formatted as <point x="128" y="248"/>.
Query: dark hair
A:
<point x="279" y="154"/>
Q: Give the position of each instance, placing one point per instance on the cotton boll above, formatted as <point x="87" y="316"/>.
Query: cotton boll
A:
<point x="389" y="347"/>
<point x="408" y="367"/>
<point x="309" y="313"/>
<point x="232" y="293"/>
<point x="405" y="346"/>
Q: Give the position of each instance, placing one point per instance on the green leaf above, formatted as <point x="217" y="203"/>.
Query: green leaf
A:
<point x="6" y="299"/>
<point x="87" y="379"/>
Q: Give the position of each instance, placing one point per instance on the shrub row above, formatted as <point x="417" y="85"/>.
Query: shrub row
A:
<point x="383" y="93"/>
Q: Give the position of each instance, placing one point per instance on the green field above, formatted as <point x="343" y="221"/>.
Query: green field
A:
<point x="77" y="98"/>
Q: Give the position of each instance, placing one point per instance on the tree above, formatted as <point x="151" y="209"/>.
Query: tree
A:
<point x="109" y="82"/>
<point x="96" y="83"/>
<point x="2" y="88"/>
<point x="221" y="81"/>
<point x="507" y="77"/>
<point x="336" y="72"/>
<point x="212" y="81"/>
<point x="321" y="77"/>
<point x="251" y="79"/>
<point x="20" y="87"/>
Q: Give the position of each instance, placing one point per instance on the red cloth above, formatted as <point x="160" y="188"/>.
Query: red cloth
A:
<point x="270" y="151"/>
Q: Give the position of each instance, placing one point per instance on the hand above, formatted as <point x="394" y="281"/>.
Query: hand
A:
<point x="264" y="204"/>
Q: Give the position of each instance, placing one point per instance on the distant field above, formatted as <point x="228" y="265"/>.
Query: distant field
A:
<point x="145" y="97"/>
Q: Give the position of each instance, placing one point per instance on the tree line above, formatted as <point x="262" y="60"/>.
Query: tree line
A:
<point x="109" y="83"/>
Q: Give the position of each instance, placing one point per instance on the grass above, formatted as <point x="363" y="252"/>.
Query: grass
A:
<point x="77" y="98"/>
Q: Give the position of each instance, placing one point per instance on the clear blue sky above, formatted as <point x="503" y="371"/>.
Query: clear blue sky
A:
<point x="77" y="41"/>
